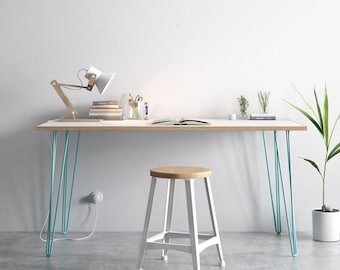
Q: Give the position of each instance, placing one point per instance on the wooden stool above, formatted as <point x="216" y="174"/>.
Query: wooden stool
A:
<point x="162" y="240"/>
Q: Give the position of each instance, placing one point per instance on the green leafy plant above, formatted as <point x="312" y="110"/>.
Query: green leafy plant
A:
<point x="319" y="117"/>
<point x="244" y="104"/>
<point x="263" y="97"/>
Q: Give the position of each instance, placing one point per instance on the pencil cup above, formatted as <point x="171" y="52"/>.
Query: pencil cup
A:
<point x="134" y="110"/>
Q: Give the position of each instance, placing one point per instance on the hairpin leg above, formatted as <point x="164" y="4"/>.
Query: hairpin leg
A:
<point x="280" y="191"/>
<point x="62" y="187"/>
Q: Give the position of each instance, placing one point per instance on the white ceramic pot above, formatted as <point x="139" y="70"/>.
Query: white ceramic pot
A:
<point x="326" y="225"/>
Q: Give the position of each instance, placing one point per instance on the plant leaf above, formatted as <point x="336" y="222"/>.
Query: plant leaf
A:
<point x="313" y="163"/>
<point x="305" y="101"/>
<point x="325" y="119"/>
<point x="334" y="126"/>
<point x="318" y="108"/>
<point x="308" y="116"/>
<point x="334" y="152"/>
<point x="320" y="118"/>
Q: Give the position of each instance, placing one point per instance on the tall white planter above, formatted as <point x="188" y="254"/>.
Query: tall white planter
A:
<point x="326" y="225"/>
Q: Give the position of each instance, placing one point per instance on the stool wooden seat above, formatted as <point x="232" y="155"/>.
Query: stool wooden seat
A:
<point x="162" y="239"/>
<point x="180" y="172"/>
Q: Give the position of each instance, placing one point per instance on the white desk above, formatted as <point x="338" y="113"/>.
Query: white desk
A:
<point x="134" y="125"/>
<point x="141" y="125"/>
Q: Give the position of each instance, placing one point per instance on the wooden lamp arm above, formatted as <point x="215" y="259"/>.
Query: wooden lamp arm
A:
<point x="57" y="86"/>
<point x="64" y="98"/>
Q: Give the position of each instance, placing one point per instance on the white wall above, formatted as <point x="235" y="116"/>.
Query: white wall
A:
<point x="187" y="58"/>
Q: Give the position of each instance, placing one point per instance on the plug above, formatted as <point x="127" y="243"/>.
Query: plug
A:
<point x="96" y="197"/>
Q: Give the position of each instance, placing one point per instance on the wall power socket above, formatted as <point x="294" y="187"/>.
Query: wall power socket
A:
<point x="96" y="197"/>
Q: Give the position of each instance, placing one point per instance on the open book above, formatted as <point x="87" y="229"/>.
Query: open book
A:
<point x="182" y="121"/>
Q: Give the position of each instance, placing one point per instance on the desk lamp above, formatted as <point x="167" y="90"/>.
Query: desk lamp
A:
<point x="95" y="77"/>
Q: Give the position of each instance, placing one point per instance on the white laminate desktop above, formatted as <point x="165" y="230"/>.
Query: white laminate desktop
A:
<point x="215" y="124"/>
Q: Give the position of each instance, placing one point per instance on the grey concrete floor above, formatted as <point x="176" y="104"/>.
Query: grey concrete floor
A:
<point x="119" y="251"/>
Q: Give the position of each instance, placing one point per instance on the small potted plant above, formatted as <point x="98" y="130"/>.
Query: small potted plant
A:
<point x="263" y="97"/>
<point x="244" y="104"/>
<point x="326" y="221"/>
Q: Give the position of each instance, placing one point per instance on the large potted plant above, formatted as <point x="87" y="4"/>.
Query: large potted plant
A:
<point x="326" y="221"/>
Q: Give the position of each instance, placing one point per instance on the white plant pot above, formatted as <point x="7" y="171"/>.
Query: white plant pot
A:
<point x="326" y="225"/>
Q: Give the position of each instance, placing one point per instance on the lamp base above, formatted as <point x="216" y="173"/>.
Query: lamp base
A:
<point x="80" y="120"/>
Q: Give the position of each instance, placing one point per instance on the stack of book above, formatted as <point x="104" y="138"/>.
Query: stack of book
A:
<point x="262" y="116"/>
<point x="106" y="110"/>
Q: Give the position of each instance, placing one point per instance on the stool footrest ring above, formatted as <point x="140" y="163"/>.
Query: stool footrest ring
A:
<point x="153" y="242"/>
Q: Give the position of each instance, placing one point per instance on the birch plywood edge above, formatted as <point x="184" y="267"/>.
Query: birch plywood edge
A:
<point x="142" y="125"/>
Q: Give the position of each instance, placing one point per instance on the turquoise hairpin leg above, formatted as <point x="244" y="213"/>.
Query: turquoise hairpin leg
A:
<point x="280" y="190"/>
<point x="50" y="232"/>
<point x="62" y="187"/>
<point x="292" y="238"/>
<point x="278" y="176"/>
<point x="67" y="215"/>
<point x="275" y="210"/>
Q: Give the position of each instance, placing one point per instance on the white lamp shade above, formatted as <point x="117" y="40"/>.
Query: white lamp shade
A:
<point x="102" y="79"/>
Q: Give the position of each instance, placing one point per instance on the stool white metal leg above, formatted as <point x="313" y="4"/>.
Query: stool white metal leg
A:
<point x="146" y="224"/>
<point x="191" y="204"/>
<point x="214" y="219"/>
<point x="168" y="215"/>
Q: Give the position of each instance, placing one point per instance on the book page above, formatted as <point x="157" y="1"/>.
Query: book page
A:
<point x="183" y="121"/>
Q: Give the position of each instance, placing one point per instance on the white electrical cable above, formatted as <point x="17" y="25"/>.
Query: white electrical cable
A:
<point x="71" y="239"/>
